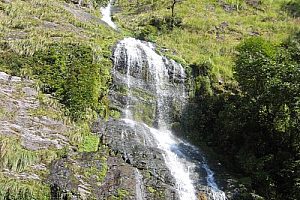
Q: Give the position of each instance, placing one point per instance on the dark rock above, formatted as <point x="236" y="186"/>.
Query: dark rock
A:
<point x="253" y="3"/>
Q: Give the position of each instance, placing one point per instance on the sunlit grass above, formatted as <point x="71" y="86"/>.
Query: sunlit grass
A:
<point x="209" y="33"/>
<point x="14" y="189"/>
<point x="16" y="158"/>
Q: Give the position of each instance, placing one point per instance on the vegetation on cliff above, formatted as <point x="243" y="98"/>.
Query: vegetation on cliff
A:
<point x="207" y="31"/>
<point x="65" y="49"/>
<point x="244" y="93"/>
<point x="244" y="59"/>
<point x="256" y="129"/>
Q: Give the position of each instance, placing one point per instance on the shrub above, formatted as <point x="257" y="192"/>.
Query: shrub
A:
<point x="69" y="72"/>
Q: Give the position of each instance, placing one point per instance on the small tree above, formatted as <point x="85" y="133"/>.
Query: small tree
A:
<point x="174" y="2"/>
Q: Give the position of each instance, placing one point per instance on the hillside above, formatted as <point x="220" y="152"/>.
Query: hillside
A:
<point x="207" y="31"/>
<point x="81" y="108"/>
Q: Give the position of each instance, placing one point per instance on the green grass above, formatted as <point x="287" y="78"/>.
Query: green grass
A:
<point x="15" y="158"/>
<point x="15" y="189"/>
<point x="208" y="33"/>
<point x="26" y="26"/>
<point x="90" y="143"/>
<point x="31" y="27"/>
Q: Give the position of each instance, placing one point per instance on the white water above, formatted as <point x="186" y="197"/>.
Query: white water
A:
<point x="139" y="188"/>
<point x="165" y="140"/>
<point x="134" y="49"/>
<point x="106" y="15"/>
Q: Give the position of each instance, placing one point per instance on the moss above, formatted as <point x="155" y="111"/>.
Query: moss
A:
<point x="143" y="95"/>
<point x="104" y="170"/>
<point x="144" y="112"/>
<point x="94" y="173"/>
<point x="157" y="194"/>
<point x="115" y="114"/>
<point x="90" y="143"/>
<point x="151" y="189"/>
<point x="121" y="195"/>
<point x="145" y="109"/>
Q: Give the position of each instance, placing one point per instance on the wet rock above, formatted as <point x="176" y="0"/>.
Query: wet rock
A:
<point x="143" y="86"/>
<point x="92" y="176"/>
<point x="134" y="144"/>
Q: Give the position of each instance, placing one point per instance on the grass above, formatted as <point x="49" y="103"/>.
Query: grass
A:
<point x="208" y="33"/>
<point x="15" y="189"/>
<point x="90" y="143"/>
<point x="15" y="158"/>
<point x="28" y="26"/>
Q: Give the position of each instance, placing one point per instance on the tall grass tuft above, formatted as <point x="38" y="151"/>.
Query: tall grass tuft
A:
<point x="14" y="189"/>
<point x="13" y="156"/>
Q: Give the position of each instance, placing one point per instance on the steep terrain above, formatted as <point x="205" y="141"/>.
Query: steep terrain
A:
<point x="87" y="114"/>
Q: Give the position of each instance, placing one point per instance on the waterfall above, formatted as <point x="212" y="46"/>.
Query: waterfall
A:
<point x="139" y="185"/>
<point x="106" y="15"/>
<point x="140" y="68"/>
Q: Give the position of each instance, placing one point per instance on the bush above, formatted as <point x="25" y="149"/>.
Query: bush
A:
<point x="293" y="8"/>
<point x="69" y="72"/>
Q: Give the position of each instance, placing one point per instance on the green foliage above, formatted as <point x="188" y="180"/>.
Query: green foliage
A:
<point x="35" y="38"/>
<point x="15" y="189"/>
<point x="121" y="194"/>
<point x="237" y="4"/>
<point x="69" y="72"/>
<point x="254" y="65"/>
<point x="293" y="8"/>
<point x="150" y="189"/>
<point x="258" y="127"/>
<point x="13" y="156"/>
<point x="90" y="143"/>
<point x="95" y="172"/>
<point x="204" y="30"/>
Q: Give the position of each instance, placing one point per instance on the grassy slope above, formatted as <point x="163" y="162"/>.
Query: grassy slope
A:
<point x="27" y="27"/>
<point x="209" y="33"/>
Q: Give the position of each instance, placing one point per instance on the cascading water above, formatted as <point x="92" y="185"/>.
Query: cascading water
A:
<point x="106" y="15"/>
<point x="144" y="69"/>
<point x="139" y="185"/>
<point x="139" y="68"/>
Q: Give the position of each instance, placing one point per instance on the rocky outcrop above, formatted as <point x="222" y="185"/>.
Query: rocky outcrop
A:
<point x="132" y="144"/>
<point x="33" y="133"/>
<point x="22" y="116"/>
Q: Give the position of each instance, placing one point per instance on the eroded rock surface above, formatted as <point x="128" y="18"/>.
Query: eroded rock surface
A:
<point x="132" y="144"/>
<point x="18" y="117"/>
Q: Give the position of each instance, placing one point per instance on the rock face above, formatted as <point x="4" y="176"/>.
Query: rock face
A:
<point x="135" y="166"/>
<point x="149" y="91"/>
<point x="21" y="116"/>
<point x="31" y="135"/>
<point x="143" y="81"/>
<point x="134" y="94"/>
<point x="129" y="142"/>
